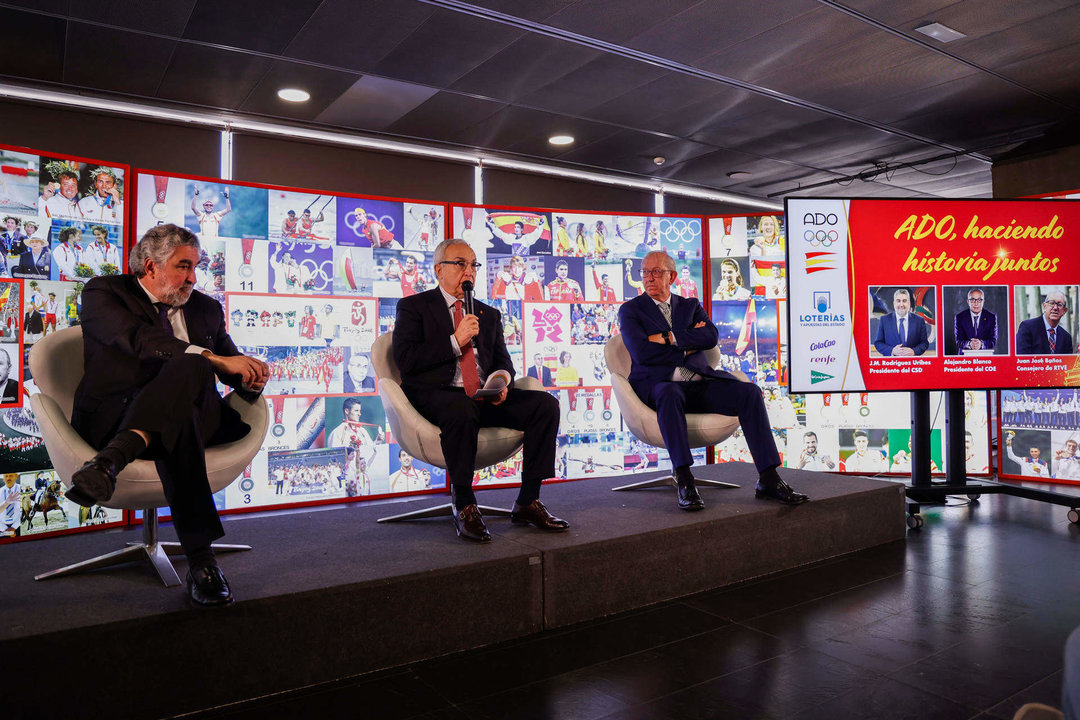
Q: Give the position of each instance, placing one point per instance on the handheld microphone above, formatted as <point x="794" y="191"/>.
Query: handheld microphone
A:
<point x="467" y="286"/>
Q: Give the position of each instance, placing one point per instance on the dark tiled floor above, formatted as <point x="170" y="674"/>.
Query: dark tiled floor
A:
<point x="966" y="619"/>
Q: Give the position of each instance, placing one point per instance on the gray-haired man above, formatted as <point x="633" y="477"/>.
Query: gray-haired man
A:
<point x="152" y="348"/>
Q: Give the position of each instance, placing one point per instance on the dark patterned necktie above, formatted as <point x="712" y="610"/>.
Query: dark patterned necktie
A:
<point x="163" y="317"/>
<point x="1053" y="338"/>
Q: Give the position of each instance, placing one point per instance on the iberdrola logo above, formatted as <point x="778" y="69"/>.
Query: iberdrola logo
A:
<point x="816" y="377"/>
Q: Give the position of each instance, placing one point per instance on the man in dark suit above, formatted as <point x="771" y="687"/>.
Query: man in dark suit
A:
<point x="540" y="371"/>
<point x="444" y="355"/>
<point x="975" y="328"/>
<point x="665" y="334"/>
<point x="152" y="348"/>
<point x="901" y="333"/>
<point x="9" y="387"/>
<point x="1044" y="335"/>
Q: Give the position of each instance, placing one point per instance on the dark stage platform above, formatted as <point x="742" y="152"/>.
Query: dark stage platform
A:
<point x="328" y="594"/>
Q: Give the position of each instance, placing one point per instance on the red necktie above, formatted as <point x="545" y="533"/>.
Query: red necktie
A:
<point x="469" y="378"/>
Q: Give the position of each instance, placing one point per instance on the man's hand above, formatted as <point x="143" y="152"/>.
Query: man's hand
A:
<point x="975" y="344"/>
<point x="498" y="399"/>
<point x="253" y="372"/>
<point x="902" y="351"/>
<point x="467" y="329"/>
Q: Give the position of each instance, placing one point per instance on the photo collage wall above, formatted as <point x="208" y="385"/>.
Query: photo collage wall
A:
<point x="558" y="279"/>
<point x="864" y="433"/>
<point x="308" y="281"/>
<point x="63" y="223"/>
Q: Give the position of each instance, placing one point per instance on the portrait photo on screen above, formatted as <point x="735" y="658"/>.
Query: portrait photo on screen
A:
<point x="564" y="278"/>
<point x="403" y="273"/>
<point x="424" y="226"/>
<point x="366" y="222"/>
<point x="813" y="449"/>
<point x="216" y="209"/>
<point x="1065" y="460"/>
<point x="515" y="277"/>
<point x="1027" y="453"/>
<point x="359" y="375"/>
<point x="980" y="320"/>
<point x="356" y="421"/>
<point x="902" y="321"/>
<point x="508" y="232"/>
<point x="408" y="474"/>
<point x="728" y="237"/>
<point x="899" y="451"/>
<point x="602" y="282"/>
<point x="688" y="279"/>
<point x="864" y="451"/>
<point x="74" y="190"/>
<point x="1045" y="319"/>
<point x="729" y="278"/>
<point x="765" y="234"/>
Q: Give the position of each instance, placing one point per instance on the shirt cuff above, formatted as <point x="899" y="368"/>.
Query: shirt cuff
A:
<point x="197" y="349"/>
<point x="455" y="346"/>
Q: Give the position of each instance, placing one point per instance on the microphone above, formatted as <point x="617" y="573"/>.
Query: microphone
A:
<point x="467" y="286"/>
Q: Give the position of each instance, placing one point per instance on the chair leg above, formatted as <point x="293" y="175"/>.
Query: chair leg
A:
<point x="668" y="481"/>
<point x="445" y="510"/>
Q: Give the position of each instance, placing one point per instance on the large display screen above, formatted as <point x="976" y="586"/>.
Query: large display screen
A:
<point x="63" y="223"/>
<point x="853" y="432"/>
<point x="933" y="294"/>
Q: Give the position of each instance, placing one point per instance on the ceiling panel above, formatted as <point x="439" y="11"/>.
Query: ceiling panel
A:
<point x="445" y="47"/>
<point x="536" y="61"/>
<point x="515" y="128"/>
<point x="356" y="35"/>
<point x="615" y="20"/>
<point x="373" y="103"/>
<point x="249" y="24"/>
<point x="209" y="76"/>
<point x="595" y="82"/>
<point x="166" y="17"/>
<point x="91" y="48"/>
<point x="444" y="116"/>
<point x="1054" y="73"/>
<point x="661" y="98"/>
<point x="32" y="46"/>
<point x="325" y="86"/>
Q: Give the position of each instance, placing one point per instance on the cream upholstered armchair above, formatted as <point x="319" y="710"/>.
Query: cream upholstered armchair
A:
<point x="56" y="364"/>
<point x="420" y="438"/>
<point x="703" y="428"/>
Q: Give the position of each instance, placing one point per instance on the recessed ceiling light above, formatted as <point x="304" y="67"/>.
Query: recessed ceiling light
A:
<point x="738" y="175"/>
<point x="294" y="95"/>
<point x="561" y="139"/>
<point x="939" y="32"/>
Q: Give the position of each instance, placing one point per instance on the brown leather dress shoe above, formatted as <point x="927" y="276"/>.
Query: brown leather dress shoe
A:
<point x="537" y="515"/>
<point x="469" y="524"/>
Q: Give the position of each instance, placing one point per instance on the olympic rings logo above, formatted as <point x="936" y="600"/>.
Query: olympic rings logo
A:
<point x="681" y="230"/>
<point x="820" y="237"/>
<point x="318" y="272"/>
<point x="360" y="230"/>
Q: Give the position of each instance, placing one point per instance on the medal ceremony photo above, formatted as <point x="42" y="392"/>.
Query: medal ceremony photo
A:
<point x="581" y="360"/>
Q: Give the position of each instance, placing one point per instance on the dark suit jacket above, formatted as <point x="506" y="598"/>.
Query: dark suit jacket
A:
<point x="27" y="266"/>
<point x="422" y="348"/>
<point x="545" y="378"/>
<point x="10" y="391"/>
<point x="653" y="363"/>
<point x="1031" y="339"/>
<point x="124" y="347"/>
<point x="888" y="336"/>
<point x="965" y="333"/>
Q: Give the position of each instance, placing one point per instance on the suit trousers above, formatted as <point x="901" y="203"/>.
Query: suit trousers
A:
<point x="460" y="418"/>
<point x="184" y="414"/>
<point x="672" y="400"/>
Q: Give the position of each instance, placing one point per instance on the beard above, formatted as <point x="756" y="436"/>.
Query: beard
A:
<point x="178" y="297"/>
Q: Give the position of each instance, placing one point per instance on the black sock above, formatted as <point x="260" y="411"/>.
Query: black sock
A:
<point x="201" y="557"/>
<point x="123" y="448"/>
<point x="530" y="490"/>
<point x="683" y="475"/>
<point x="462" y="496"/>
<point x="769" y="477"/>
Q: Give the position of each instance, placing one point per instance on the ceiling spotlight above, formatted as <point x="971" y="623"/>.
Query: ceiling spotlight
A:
<point x="738" y="175"/>
<point x="659" y="160"/>
<point x="939" y="32"/>
<point x="294" y="95"/>
<point x="561" y="139"/>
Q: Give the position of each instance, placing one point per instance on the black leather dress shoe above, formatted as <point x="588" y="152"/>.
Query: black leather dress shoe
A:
<point x="689" y="497"/>
<point x="781" y="491"/>
<point x="93" y="483"/>
<point x="469" y="524"/>
<point x="208" y="587"/>
<point x="537" y="515"/>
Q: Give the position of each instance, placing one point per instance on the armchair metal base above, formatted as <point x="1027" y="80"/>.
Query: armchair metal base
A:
<point x="150" y="548"/>
<point x="445" y="510"/>
<point x="669" y="481"/>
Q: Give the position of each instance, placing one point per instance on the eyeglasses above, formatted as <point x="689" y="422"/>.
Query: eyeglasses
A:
<point x="1056" y="304"/>
<point x="462" y="264"/>
<point x="657" y="274"/>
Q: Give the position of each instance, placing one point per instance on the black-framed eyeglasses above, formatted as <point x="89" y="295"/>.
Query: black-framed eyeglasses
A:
<point x="1056" y="304"/>
<point x="658" y="273"/>
<point x="462" y="264"/>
